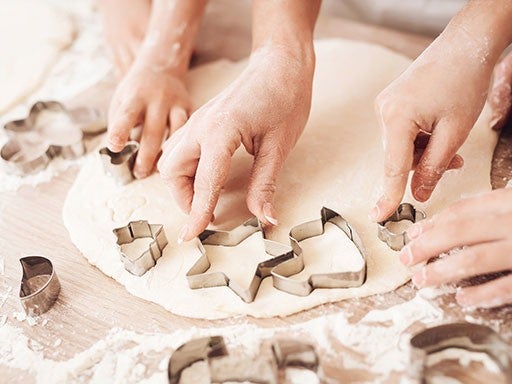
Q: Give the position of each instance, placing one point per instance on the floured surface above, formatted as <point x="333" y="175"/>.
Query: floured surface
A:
<point x="337" y="163"/>
<point x="32" y="33"/>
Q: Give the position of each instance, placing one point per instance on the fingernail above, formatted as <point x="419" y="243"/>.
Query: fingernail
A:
<point x="183" y="234"/>
<point x="406" y="255"/>
<point x="420" y="278"/>
<point x="422" y="193"/>
<point x="414" y="231"/>
<point x="212" y="219"/>
<point x="495" y="121"/>
<point x="374" y="213"/>
<point x="269" y="213"/>
<point x="140" y="174"/>
<point x="462" y="298"/>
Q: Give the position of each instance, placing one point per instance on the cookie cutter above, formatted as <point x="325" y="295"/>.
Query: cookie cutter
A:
<point x="49" y="130"/>
<point x="135" y="262"/>
<point x="405" y="211"/>
<point x="282" y="272"/>
<point x="119" y="165"/>
<point x="468" y="336"/>
<point x="39" y="287"/>
<point x="199" y="277"/>
<point x="224" y="368"/>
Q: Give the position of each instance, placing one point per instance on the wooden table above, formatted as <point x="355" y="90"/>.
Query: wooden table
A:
<point x="30" y="223"/>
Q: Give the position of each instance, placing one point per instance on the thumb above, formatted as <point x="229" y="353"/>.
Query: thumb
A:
<point x="268" y="161"/>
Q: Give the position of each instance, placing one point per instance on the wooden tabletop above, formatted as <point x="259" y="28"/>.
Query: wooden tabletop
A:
<point x="90" y="303"/>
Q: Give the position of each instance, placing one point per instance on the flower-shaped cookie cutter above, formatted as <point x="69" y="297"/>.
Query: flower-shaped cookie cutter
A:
<point x="405" y="211"/>
<point x="468" y="336"/>
<point x="135" y="261"/>
<point x="49" y="130"/>
<point x="281" y="274"/>
<point x="199" y="277"/>
<point x="225" y="368"/>
<point x="119" y="165"/>
<point x="40" y="286"/>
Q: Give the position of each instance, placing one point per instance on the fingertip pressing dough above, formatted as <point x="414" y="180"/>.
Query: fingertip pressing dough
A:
<point x="337" y="163"/>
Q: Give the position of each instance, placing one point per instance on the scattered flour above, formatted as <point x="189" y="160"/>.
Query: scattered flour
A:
<point x="130" y="357"/>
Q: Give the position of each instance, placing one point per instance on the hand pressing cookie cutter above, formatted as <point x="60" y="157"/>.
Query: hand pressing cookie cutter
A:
<point x="199" y="277"/>
<point x="223" y="368"/>
<point x="139" y="263"/>
<point x="119" y="165"/>
<point x="468" y="336"/>
<point x="40" y="286"/>
<point x="49" y="130"/>
<point x="405" y="211"/>
<point x="282" y="272"/>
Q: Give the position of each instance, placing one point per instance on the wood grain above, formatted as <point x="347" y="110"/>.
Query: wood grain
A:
<point x="90" y="304"/>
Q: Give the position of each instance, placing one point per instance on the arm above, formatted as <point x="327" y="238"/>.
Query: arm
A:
<point x="265" y="109"/>
<point x="426" y="114"/>
<point x="153" y="92"/>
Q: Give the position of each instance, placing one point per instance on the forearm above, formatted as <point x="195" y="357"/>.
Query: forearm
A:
<point x="483" y="29"/>
<point x="172" y="31"/>
<point x="287" y="25"/>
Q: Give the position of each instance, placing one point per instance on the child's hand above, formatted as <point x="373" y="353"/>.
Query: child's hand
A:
<point x="124" y="28"/>
<point x="154" y="99"/>
<point x="500" y="95"/>
<point x="265" y="110"/>
<point x="482" y="226"/>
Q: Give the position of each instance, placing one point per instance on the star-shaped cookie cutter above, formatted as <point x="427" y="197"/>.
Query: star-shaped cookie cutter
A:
<point x="468" y="336"/>
<point x="405" y="211"/>
<point x="40" y="286"/>
<point x="119" y="165"/>
<point x="225" y="368"/>
<point x="282" y="272"/>
<point x="199" y="277"/>
<point x="138" y="263"/>
<point x="49" y="130"/>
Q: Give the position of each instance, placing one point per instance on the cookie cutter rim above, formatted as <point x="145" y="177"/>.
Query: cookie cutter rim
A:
<point x="285" y="353"/>
<point x="198" y="276"/>
<point x="469" y="336"/>
<point x="348" y="279"/>
<point x="138" y="229"/>
<point x="68" y="151"/>
<point x="119" y="165"/>
<point x="405" y="211"/>
<point x="41" y="299"/>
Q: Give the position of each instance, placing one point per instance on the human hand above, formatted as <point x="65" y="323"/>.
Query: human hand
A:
<point x="426" y="115"/>
<point x="500" y="95"/>
<point x="481" y="226"/>
<point x="154" y="98"/>
<point x="265" y="109"/>
<point x="124" y="28"/>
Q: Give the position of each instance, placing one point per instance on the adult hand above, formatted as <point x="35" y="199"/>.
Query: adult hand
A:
<point x="152" y="97"/>
<point x="500" y="95"/>
<point x="124" y="28"/>
<point x="265" y="109"/>
<point x="426" y="115"/>
<point x="481" y="226"/>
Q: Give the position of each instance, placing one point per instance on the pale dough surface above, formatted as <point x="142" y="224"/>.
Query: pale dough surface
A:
<point x="32" y="33"/>
<point x="337" y="163"/>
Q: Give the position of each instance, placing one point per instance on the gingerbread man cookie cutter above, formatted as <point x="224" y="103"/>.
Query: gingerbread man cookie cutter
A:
<point x="50" y="130"/>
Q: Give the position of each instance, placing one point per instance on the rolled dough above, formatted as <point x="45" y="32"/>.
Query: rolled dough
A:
<point x="32" y="33"/>
<point x="337" y="163"/>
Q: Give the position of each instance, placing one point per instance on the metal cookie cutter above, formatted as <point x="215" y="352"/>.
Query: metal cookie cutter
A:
<point x="40" y="286"/>
<point x="199" y="277"/>
<point x="405" y="211"/>
<point x="223" y="368"/>
<point x="119" y="165"/>
<point x="282" y="272"/>
<point x="135" y="262"/>
<point x="471" y="337"/>
<point x="50" y="130"/>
